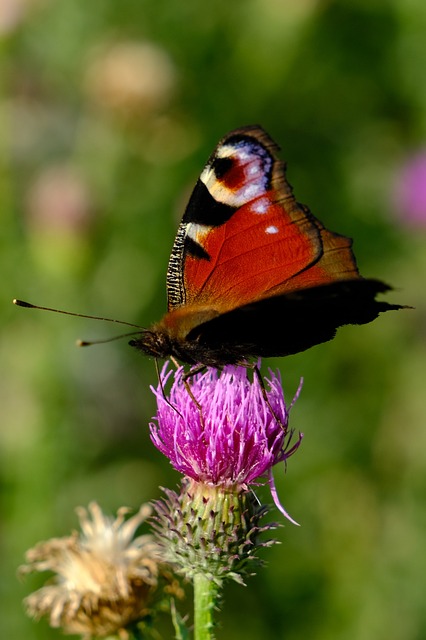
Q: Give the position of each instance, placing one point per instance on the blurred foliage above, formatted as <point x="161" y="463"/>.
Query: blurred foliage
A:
<point x="108" y="111"/>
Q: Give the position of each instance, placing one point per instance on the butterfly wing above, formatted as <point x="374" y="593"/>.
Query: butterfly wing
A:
<point x="252" y="272"/>
<point x="244" y="237"/>
<point x="289" y="323"/>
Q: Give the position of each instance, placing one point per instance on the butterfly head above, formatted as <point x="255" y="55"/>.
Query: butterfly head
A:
<point x="178" y="335"/>
<point x="153" y="342"/>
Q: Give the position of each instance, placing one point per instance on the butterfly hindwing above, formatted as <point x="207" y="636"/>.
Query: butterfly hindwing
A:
<point x="287" y="324"/>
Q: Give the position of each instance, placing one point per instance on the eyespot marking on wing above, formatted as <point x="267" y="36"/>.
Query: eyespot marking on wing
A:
<point x="239" y="171"/>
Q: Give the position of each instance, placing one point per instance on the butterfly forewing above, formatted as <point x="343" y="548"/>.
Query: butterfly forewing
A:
<point x="244" y="237"/>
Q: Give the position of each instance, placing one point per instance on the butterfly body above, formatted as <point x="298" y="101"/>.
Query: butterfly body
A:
<point x="252" y="272"/>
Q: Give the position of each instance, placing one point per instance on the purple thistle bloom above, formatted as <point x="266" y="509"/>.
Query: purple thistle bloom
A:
<point x="236" y="438"/>
<point x="410" y="190"/>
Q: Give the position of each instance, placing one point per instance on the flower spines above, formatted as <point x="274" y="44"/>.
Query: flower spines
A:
<point x="205" y="529"/>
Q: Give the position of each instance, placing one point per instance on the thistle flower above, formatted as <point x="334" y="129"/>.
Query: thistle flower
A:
<point x="105" y="578"/>
<point x="223" y="446"/>
<point x="234" y="437"/>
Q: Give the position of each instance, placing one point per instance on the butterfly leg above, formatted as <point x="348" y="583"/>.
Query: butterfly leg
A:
<point x="167" y="401"/>
<point x="258" y="375"/>
<point x="189" y="374"/>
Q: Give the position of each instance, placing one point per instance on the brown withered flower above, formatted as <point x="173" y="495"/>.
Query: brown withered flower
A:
<point x="105" y="578"/>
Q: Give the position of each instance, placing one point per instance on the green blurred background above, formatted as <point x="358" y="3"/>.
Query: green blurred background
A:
<point x="108" y="112"/>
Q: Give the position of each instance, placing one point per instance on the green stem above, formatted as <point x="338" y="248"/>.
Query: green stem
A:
<point x="205" y="600"/>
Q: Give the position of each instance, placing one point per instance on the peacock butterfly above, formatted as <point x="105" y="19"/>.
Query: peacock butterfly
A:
<point x="252" y="272"/>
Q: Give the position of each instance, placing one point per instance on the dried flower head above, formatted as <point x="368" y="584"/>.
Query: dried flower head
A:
<point x="104" y="579"/>
<point x="234" y="437"/>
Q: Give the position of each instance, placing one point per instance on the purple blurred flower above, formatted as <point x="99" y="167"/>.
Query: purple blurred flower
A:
<point x="410" y="191"/>
<point x="59" y="202"/>
<point x="237" y="436"/>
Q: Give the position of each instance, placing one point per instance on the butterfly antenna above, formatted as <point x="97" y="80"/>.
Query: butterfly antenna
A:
<point x="89" y="343"/>
<point x="84" y="343"/>
<point x="28" y="305"/>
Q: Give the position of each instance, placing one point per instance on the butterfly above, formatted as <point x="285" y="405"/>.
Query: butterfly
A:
<point x="252" y="272"/>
